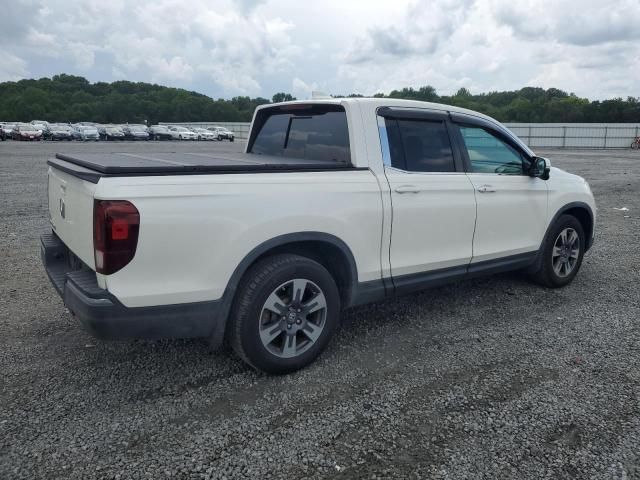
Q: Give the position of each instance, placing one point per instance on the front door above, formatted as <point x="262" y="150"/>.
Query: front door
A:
<point x="512" y="206"/>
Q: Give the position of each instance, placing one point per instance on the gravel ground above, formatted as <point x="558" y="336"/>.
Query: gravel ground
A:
<point x="491" y="378"/>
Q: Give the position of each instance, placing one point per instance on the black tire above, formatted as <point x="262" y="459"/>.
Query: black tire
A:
<point x="546" y="274"/>
<point x="219" y="138"/>
<point x="265" y="277"/>
<point x="635" y="145"/>
<point x="231" y="139"/>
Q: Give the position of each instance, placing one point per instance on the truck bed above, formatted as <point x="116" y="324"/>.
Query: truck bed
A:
<point x="93" y="166"/>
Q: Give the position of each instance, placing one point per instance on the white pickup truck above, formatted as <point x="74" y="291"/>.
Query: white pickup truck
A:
<point x="334" y="203"/>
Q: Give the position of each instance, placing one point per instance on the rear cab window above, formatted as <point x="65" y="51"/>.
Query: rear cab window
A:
<point x="311" y="132"/>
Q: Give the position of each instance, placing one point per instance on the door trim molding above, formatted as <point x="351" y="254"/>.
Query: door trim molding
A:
<point x="373" y="291"/>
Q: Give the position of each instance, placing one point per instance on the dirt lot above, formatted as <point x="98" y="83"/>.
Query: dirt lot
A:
<point x="491" y="378"/>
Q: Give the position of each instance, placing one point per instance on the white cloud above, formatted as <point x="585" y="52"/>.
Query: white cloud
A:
<point x="303" y="90"/>
<point x="258" y="47"/>
<point x="12" y="68"/>
<point x="174" y="69"/>
<point x="501" y="45"/>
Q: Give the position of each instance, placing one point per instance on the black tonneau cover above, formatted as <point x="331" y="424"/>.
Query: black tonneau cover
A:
<point x="92" y="166"/>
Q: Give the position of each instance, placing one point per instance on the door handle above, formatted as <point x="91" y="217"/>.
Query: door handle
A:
<point x="407" y="189"/>
<point x="486" y="189"/>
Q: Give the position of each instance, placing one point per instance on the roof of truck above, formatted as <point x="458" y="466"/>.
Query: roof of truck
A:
<point x="374" y="102"/>
<point x="383" y="102"/>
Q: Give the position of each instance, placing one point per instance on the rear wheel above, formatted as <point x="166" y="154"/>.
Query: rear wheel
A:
<point x="635" y="145"/>
<point x="286" y="310"/>
<point x="562" y="253"/>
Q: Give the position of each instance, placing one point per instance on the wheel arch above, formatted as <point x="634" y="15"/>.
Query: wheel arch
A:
<point x="327" y="249"/>
<point x="583" y="213"/>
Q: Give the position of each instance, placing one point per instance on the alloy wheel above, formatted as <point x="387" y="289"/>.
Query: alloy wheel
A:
<point x="566" y="252"/>
<point x="292" y="318"/>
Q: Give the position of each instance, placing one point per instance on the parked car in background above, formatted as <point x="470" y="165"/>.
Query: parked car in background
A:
<point x="85" y="133"/>
<point x="222" y="133"/>
<point x="204" y="134"/>
<point x="184" y="133"/>
<point x="111" y="132"/>
<point x="40" y="126"/>
<point x="7" y="128"/>
<point x="26" y="131"/>
<point x="161" y="132"/>
<point x="135" y="132"/>
<point x="57" y="132"/>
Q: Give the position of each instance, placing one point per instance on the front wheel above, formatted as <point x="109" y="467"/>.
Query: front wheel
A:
<point x="635" y="145"/>
<point x="286" y="310"/>
<point x="562" y="253"/>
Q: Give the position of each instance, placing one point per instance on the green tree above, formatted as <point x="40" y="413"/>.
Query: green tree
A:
<point x="282" y="97"/>
<point x="65" y="98"/>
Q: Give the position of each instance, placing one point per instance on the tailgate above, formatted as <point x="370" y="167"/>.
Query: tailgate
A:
<point x="71" y="212"/>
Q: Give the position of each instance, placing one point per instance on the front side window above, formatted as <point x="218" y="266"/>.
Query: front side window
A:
<point x="318" y="133"/>
<point x="489" y="154"/>
<point x="419" y="145"/>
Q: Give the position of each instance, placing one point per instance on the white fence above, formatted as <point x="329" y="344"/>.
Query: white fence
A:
<point x="554" y="135"/>
<point x="576" y="135"/>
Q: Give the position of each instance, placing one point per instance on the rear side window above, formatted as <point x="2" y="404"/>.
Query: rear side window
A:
<point x="311" y="133"/>
<point x="419" y="145"/>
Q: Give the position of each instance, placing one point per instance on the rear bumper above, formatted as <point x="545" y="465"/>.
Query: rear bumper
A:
<point x="106" y="317"/>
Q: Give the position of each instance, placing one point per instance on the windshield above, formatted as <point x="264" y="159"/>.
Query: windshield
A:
<point x="136" y="128"/>
<point x="159" y="129"/>
<point x="113" y="130"/>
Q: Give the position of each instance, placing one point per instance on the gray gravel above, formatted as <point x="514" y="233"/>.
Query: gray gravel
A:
<point x="491" y="378"/>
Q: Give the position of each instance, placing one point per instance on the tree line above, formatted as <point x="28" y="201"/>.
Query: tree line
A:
<point x="69" y="98"/>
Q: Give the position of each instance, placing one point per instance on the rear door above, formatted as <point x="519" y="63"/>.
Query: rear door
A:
<point x="433" y="201"/>
<point x="71" y="212"/>
<point x="512" y="206"/>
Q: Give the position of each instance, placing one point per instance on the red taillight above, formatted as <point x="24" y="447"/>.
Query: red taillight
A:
<point x="115" y="234"/>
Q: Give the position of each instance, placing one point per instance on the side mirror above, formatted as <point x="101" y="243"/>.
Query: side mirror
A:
<point x="540" y="168"/>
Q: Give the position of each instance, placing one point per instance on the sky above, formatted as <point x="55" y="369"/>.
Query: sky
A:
<point x="225" y="48"/>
